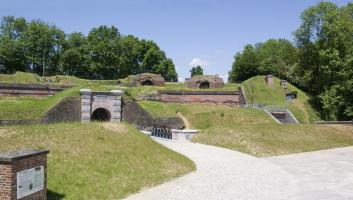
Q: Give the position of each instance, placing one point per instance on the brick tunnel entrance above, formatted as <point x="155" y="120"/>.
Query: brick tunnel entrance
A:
<point x="100" y="106"/>
<point x="147" y="82"/>
<point x="100" y="114"/>
<point x="204" y="85"/>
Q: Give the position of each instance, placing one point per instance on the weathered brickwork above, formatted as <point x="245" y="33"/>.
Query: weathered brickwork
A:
<point x="9" y="89"/>
<point x="8" y="175"/>
<point x="225" y="98"/>
<point x="151" y="79"/>
<point x="205" y="81"/>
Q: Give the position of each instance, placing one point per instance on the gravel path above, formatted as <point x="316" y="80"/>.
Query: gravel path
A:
<point x="324" y="175"/>
<point x="227" y="174"/>
<point x="223" y="174"/>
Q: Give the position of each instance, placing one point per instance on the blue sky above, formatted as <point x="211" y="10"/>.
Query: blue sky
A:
<point x="191" y="32"/>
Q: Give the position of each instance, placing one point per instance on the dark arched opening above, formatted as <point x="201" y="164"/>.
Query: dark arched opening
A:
<point x="100" y="114"/>
<point x="204" y="85"/>
<point x="147" y="82"/>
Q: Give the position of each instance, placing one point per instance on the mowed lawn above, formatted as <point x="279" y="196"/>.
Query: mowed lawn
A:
<point x="263" y="140"/>
<point x="97" y="160"/>
<point x="252" y="131"/>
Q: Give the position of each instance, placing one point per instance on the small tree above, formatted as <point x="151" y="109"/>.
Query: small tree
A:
<point x="196" y="71"/>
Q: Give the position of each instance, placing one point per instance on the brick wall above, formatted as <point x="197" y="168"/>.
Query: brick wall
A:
<point x="7" y="89"/>
<point x="8" y="176"/>
<point x="226" y="98"/>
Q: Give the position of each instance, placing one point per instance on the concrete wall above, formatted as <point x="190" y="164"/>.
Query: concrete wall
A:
<point x="226" y="98"/>
<point x="242" y="96"/>
<point x="68" y="110"/>
<point x="135" y="114"/>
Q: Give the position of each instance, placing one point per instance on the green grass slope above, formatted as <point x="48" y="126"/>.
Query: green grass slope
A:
<point x="20" y="78"/>
<point x="252" y="131"/>
<point x="263" y="140"/>
<point x="257" y="90"/>
<point x="30" y="108"/>
<point x="97" y="160"/>
<point x="203" y="116"/>
<point x="26" y="108"/>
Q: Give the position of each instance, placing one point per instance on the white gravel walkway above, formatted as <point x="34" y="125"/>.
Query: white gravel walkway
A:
<point x="227" y="174"/>
<point x="324" y="175"/>
<point x="222" y="174"/>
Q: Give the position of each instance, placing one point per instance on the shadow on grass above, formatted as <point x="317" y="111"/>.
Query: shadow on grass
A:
<point x="51" y="195"/>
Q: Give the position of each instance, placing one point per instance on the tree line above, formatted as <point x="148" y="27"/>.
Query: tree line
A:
<point x="320" y="61"/>
<point x="104" y="53"/>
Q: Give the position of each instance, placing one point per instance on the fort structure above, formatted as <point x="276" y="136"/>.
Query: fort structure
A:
<point x="11" y="89"/>
<point x="149" y="79"/>
<point x="205" y="82"/>
<point x="215" y="97"/>
<point x="101" y="106"/>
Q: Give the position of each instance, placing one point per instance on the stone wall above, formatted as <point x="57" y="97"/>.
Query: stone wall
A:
<point x="215" y="97"/>
<point x="19" y="161"/>
<point x="91" y="101"/>
<point x="198" y="80"/>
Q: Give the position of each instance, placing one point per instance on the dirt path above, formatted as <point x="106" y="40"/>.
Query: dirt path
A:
<point x="186" y="122"/>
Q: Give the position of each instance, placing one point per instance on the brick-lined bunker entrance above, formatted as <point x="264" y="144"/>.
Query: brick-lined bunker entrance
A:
<point x="100" y="106"/>
<point x="101" y="114"/>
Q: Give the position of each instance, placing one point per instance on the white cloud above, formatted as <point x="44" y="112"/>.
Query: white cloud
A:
<point x="180" y="79"/>
<point x="198" y="61"/>
<point x="224" y="77"/>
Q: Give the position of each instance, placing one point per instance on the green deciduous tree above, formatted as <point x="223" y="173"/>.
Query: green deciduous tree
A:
<point x="325" y="42"/>
<point x="196" y="71"/>
<point x="104" y="54"/>
<point x="245" y="65"/>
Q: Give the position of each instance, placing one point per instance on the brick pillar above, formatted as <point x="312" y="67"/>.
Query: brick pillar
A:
<point x="269" y="80"/>
<point x="86" y="104"/>
<point x="23" y="175"/>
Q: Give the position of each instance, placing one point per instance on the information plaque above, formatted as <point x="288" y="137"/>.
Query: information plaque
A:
<point x="30" y="181"/>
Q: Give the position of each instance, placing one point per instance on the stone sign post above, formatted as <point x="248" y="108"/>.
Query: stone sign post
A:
<point x="23" y="175"/>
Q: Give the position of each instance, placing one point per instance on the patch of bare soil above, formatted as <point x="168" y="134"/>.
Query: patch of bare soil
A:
<point x="186" y="122"/>
<point x="6" y="133"/>
<point x="115" y="127"/>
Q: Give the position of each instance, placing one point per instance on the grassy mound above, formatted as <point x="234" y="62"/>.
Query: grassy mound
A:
<point x="97" y="160"/>
<point x="251" y="130"/>
<point x="257" y="90"/>
<point x="202" y="116"/>
<point x="20" y="78"/>
<point x="22" y="108"/>
<point x="276" y="139"/>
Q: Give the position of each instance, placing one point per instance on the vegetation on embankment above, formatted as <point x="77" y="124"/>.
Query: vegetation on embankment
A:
<point x="258" y="92"/>
<point x="255" y="89"/>
<point x="20" y="78"/>
<point x="202" y="116"/>
<point x="28" y="107"/>
<point x="97" y="160"/>
<point x="252" y="131"/>
<point x="265" y="140"/>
